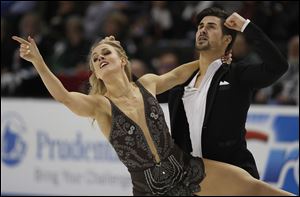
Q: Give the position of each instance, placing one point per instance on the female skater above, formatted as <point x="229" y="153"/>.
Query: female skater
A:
<point x="133" y="122"/>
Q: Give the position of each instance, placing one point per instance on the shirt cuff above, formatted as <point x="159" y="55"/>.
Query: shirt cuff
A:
<point x="245" y="25"/>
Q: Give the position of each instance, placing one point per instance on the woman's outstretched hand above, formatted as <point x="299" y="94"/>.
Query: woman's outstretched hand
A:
<point x="28" y="50"/>
<point x="227" y="58"/>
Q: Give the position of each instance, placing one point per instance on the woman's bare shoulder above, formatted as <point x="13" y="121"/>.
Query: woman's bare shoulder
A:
<point x="100" y="102"/>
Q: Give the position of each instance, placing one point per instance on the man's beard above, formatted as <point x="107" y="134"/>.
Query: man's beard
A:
<point x="202" y="47"/>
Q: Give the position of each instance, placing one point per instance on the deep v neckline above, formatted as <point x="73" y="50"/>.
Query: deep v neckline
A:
<point x="139" y="128"/>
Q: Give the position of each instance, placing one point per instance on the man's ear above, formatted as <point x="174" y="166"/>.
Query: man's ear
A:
<point x="228" y="39"/>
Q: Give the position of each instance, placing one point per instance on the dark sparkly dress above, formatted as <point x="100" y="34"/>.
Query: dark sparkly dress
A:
<point x="177" y="174"/>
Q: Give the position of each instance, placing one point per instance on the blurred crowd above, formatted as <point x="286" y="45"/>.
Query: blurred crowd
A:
<point x="157" y="36"/>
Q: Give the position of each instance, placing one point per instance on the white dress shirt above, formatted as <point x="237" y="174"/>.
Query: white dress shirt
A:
<point x="194" y="101"/>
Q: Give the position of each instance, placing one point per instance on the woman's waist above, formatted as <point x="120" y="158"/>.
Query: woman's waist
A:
<point x="161" y="177"/>
<point x="175" y="162"/>
<point x="175" y="169"/>
<point x="175" y="154"/>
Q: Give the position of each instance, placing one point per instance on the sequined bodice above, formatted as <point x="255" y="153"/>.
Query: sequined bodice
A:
<point x="177" y="173"/>
<point x="129" y="141"/>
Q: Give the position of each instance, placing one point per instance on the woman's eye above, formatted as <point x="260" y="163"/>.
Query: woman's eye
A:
<point x="95" y="59"/>
<point x="106" y="52"/>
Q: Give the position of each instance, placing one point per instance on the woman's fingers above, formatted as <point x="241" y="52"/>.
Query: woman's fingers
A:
<point x="26" y="51"/>
<point x="20" y="40"/>
<point x="32" y="41"/>
<point x="24" y="46"/>
<point x="227" y="58"/>
<point x="23" y="50"/>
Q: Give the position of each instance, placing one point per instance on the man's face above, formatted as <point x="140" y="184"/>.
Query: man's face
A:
<point x="209" y="35"/>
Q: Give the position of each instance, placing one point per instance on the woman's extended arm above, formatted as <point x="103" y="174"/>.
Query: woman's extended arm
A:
<point x="172" y="78"/>
<point x="80" y="104"/>
<point x="179" y="75"/>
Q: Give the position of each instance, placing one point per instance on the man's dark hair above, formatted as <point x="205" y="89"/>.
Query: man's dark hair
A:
<point x="221" y="14"/>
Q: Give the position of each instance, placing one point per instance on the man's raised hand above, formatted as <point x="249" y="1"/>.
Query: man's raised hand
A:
<point x="235" y="22"/>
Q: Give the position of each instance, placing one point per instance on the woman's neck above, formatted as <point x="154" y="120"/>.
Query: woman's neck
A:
<point x="118" y="86"/>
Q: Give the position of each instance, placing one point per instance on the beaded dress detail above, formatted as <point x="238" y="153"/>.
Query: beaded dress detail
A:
<point x="176" y="174"/>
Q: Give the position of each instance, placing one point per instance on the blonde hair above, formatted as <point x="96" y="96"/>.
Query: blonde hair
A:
<point x="97" y="85"/>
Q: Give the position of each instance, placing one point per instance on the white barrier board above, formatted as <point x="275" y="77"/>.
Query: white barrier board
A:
<point x="48" y="150"/>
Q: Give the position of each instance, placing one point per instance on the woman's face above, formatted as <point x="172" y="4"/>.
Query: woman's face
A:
<point x="106" y="61"/>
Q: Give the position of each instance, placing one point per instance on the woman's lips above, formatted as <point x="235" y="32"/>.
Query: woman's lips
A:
<point x="103" y="64"/>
